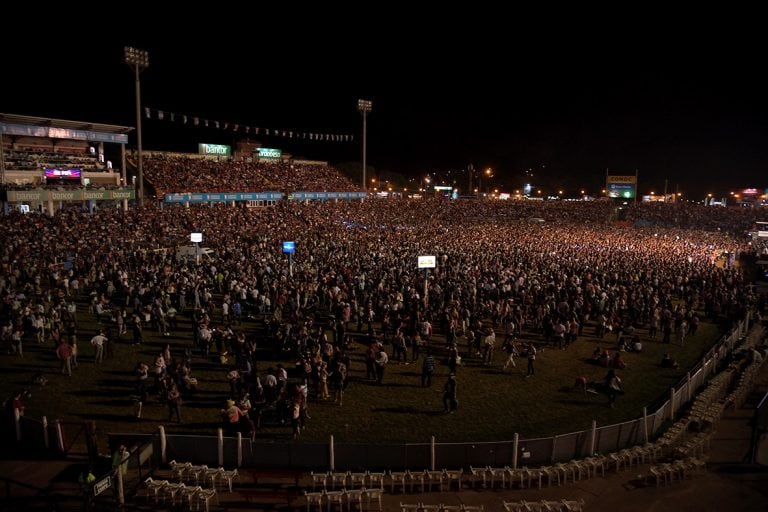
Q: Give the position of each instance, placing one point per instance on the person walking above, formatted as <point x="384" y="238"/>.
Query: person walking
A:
<point x="450" y="402"/>
<point x="511" y="349"/>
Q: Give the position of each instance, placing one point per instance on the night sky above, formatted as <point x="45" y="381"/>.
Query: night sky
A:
<point x="689" y="107"/>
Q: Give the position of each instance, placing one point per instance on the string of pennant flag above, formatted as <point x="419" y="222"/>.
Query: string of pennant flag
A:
<point x="173" y="117"/>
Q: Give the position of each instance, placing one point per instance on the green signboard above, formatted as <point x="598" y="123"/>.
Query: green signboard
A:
<point x="38" y="195"/>
<point x="269" y="152"/>
<point x="215" y="149"/>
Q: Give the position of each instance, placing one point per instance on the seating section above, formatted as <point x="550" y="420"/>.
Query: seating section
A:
<point x="174" y="174"/>
<point x="37" y="159"/>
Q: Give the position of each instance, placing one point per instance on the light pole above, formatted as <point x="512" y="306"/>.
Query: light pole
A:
<point x="138" y="60"/>
<point x="364" y="106"/>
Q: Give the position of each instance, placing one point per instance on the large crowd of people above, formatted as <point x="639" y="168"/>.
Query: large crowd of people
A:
<point x="495" y="272"/>
<point x="174" y="174"/>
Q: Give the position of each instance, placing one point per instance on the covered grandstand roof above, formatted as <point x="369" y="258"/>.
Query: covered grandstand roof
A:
<point x="62" y="123"/>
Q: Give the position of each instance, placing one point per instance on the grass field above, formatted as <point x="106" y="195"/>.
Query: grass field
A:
<point x="493" y="404"/>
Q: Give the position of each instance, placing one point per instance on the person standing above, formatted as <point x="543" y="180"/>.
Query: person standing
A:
<point x="64" y="353"/>
<point x="98" y="343"/>
<point x="174" y="403"/>
<point x="613" y="387"/>
<point x="381" y="361"/>
<point x="427" y="370"/>
<point x="450" y="402"/>
<point x="531" y="360"/>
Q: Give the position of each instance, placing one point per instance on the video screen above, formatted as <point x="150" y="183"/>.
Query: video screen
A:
<point x="73" y="174"/>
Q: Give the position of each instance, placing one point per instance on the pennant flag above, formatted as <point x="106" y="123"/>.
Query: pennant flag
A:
<point x="196" y="121"/>
<point x="206" y="122"/>
<point x="236" y="127"/>
<point x="225" y="125"/>
<point x="147" y="113"/>
<point x="351" y="138"/>
<point x="290" y="134"/>
<point x="173" y="117"/>
<point x="160" y="115"/>
<point x="267" y="129"/>
<point x="217" y="124"/>
<point x="256" y="130"/>
<point x="247" y="129"/>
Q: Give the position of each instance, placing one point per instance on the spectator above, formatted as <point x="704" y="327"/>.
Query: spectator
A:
<point x="450" y="401"/>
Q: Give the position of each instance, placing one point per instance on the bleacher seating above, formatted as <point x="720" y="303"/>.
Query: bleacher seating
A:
<point x="174" y="174"/>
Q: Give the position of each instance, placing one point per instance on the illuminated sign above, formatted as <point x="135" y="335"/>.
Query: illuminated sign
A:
<point x="621" y="186"/>
<point x="269" y="152"/>
<point x="622" y="179"/>
<point x="195" y="238"/>
<point x="289" y="247"/>
<point x="426" y="262"/>
<point x="215" y="149"/>
<point x="63" y="173"/>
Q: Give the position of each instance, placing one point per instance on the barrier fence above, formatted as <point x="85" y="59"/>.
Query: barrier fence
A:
<point x="237" y="452"/>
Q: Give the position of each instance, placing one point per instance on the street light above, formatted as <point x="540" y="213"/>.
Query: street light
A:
<point x="139" y="61"/>
<point x="364" y="106"/>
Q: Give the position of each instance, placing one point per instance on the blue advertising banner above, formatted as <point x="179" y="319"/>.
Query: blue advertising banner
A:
<point x="223" y="196"/>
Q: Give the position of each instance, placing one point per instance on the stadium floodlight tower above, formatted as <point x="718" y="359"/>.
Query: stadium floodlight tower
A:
<point x="139" y="61"/>
<point x="364" y="107"/>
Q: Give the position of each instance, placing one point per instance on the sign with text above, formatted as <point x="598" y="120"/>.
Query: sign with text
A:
<point x="621" y="186"/>
<point x="15" y="196"/>
<point x="195" y="238"/>
<point x="269" y="152"/>
<point x="426" y="262"/>
<point x="289" y="247"/>
<point x="225" y="196"/>
<point x="215" y="149"/>
<point x="102" y="485"/>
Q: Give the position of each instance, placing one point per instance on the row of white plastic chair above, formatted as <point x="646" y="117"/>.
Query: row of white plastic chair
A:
<point x="441" y="507"/>
<point x="544" y="506"/>
<point x="195" y="497"/>
<point x="348" y="497"/>
<point x="347" y="480"/>
<point x="678" y="470"/>
<point x="219" y="478"/>
<point x="426" y="480"/>
<point x="744" y="386"/>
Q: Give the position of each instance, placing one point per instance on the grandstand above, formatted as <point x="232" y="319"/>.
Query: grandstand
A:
<point x="44" y="154"/>
<point x="174" y="173"/>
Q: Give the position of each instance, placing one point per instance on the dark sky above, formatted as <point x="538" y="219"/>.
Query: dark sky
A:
<point x="568" y="103"/>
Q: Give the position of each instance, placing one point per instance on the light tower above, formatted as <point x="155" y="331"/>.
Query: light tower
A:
<point x="364" y="107"/>
<point x="139" y="61"/>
